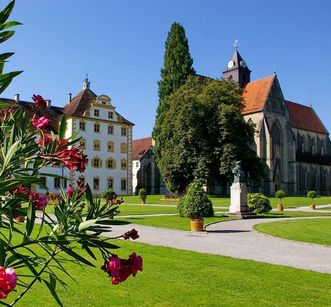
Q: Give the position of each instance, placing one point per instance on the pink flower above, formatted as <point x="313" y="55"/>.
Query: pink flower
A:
<point x="131" y="234"/>
<point x="45" y="140"/>
<point x="73" y="158"/>
<point x="8" y="280"/>
<point x="41" y="122"/>
<point x="20" y="190"/>
<point x="120" y="269"/>
<point x="70" y="190"/>
<point x="38" y="200"/>
<point x="39" y="101"/>
<point x="136" y="263"/>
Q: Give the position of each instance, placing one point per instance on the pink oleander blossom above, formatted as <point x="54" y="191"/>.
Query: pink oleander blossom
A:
<point x="131" y="234"/>
<point x="39" y="101"/>
<point x="38" y="200"/>
<point x="8" y="280"/>
<point x="41" y="122"/>
<point x="70" y="190"/>
<point x="73" y="159"/>
<point x="120" y="269"/>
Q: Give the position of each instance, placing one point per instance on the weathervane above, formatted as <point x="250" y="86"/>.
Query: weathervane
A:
<point x="235" y="44"/>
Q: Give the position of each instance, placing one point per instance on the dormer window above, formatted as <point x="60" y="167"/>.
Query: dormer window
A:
<point x="96" y="113"/>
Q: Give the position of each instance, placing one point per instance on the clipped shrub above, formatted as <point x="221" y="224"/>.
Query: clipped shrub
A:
<point x="142" y="195"/>
<point x="195" y="204"/>
<point x="258" y="203"/>
<point x="312" y="194"/>
<point x="109" y="195"/>
<point x="280" y="194"/>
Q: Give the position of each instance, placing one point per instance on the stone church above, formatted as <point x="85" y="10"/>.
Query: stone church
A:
<point x="289" y="137"/>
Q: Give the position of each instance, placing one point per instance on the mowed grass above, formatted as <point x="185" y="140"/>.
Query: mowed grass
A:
<point x="171" y="222"/>
<point x="180" y="223"/>
<point x="290" y="201"/>
<point x="308" y="230"/>
<point x="173" y="277"/>
<point x="161" y="200"/>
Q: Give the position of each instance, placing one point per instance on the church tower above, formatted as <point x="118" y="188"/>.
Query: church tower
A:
<point x="237" y="69"/>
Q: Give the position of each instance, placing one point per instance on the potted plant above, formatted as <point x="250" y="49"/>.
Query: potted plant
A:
<point x="280" y="194"/>
<point x="195" y="205"/>
<point x="312" y="195"/>
<point x="142" y="195"/>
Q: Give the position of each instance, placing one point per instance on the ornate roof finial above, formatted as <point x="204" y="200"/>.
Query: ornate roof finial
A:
<point x="235" y="44"/>
<point x="86" y="83"/>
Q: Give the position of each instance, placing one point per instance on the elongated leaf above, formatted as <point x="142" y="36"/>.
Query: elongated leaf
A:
<point x="76" y="256"/>
<point x="5" y="35"/>
<point x="5" y="56"/>
<point x="10" y="24"/>
<point x="51" y="285"/>
<point x="62" y="127"/>
<point x="31" y="216"/>
<point x="86" y="224"/>
<point x="4" y="14"/>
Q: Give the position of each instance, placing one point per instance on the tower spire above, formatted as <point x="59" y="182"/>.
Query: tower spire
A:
<point x="237" y="68"/>
<point x="86" y="83"/>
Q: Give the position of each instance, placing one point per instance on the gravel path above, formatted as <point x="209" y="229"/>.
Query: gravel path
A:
<point x="238" y="239"/>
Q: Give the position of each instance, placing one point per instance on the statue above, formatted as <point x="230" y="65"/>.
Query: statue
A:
<point x="239" y="175"/>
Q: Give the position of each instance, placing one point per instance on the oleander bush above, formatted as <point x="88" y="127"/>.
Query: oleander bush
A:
<point x="195" y="204"/>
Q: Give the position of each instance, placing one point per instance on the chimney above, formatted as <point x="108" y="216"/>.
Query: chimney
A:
<point x="48" y="103"/>
<point x="17" y="98"/>
<point x="69" y="97"/>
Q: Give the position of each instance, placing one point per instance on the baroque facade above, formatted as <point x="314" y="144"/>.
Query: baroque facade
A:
<point x="106" y="137"/>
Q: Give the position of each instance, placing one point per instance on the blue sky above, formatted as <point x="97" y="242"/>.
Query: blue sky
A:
<point x="120" y="44"/>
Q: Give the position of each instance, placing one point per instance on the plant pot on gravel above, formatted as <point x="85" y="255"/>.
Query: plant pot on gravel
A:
<point x="280" y="194"/>
<point x="195" y="205"/>
<point x="142" y="195"/>
<point x="280" y="207"/>
<point x="312" y="195"/>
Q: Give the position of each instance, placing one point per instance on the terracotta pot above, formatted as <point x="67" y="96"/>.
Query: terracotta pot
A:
<point x="20" y="218"/>
<point x="312" y="207"/>
<point x="197" y="224"/>
<point x="280" y="207"/>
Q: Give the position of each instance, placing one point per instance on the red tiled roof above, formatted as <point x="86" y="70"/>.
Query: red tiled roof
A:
<point x="255" y="95"/>
<point x="140" y="147"/>
<point x="80" y="103"/>
<point x="304" y="118"/>
<point x="51" y="112"/>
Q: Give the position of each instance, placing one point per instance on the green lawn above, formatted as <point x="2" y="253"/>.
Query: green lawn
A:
<point x="174" y="277"/>
<point x="145" y="209"/>
<point x="290" y="201"/>
<point x="300" y="201"/>
<point x="180" y="223"/>
<point x="172" y="222"/>
<point x="310" y="230"/>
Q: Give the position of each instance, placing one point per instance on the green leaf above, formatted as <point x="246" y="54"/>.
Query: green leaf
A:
<point x="86" y="224"/>
<point x="31" y="216"/>
<point x="51" y="285"/>
<point x="4" y="14"/>
<point x="62" y="127"/>
<point x="9" y="24"/>
<point x="76" y="256"/>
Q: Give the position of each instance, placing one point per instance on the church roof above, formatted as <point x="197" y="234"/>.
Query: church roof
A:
<point x="304" y="118"/>
<point x="255" y="95"/>
<point x="140" y="147"/>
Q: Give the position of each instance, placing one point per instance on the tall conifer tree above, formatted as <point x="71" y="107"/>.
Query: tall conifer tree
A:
<point x="177" y="67"/>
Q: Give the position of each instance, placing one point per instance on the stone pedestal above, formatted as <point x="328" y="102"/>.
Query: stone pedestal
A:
<point x="238" y="207"/>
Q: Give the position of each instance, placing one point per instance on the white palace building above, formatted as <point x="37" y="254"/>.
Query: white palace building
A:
<point x="105" y="135"/>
